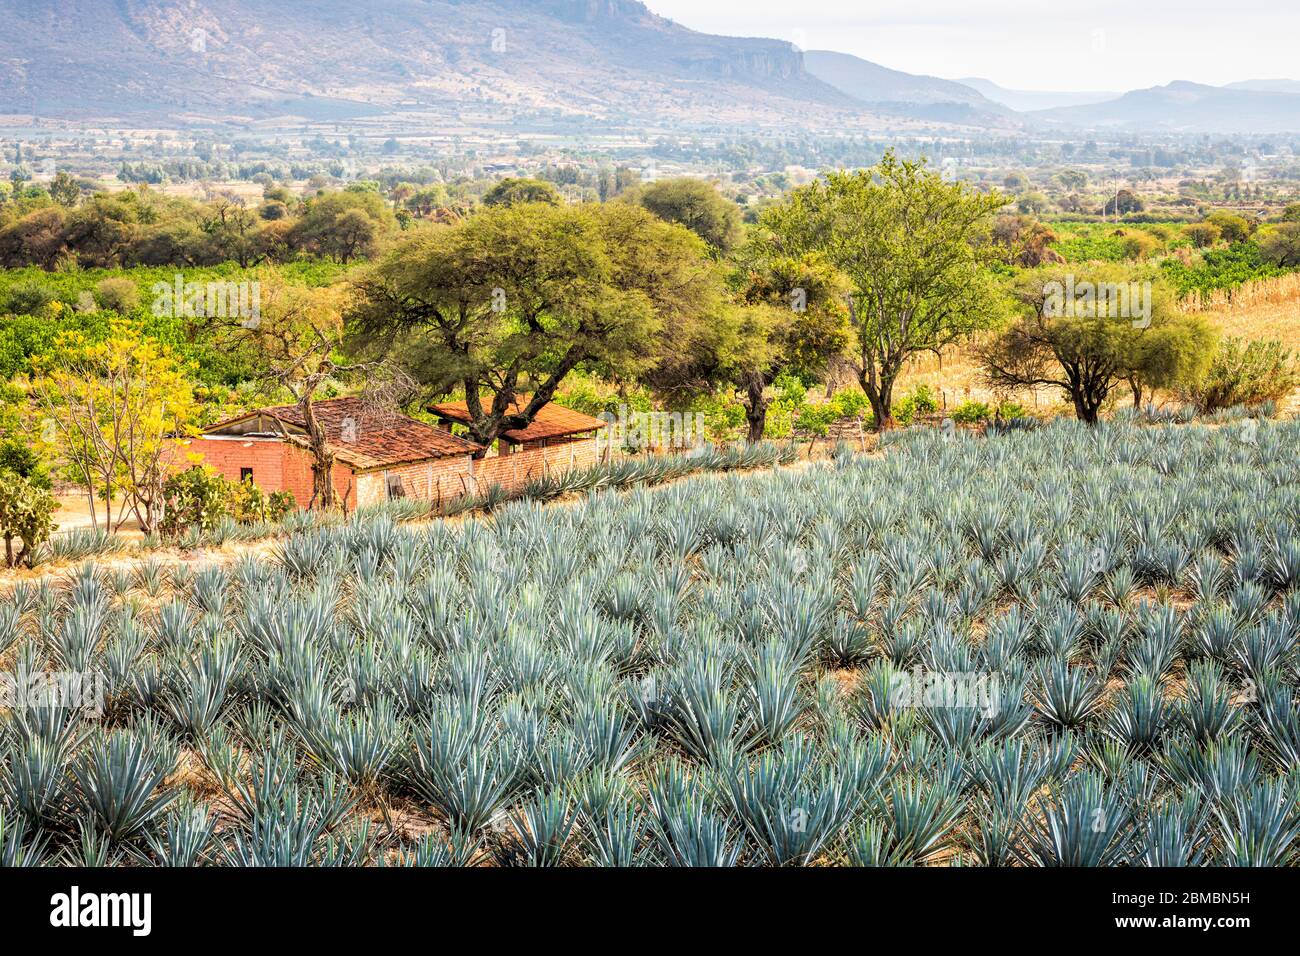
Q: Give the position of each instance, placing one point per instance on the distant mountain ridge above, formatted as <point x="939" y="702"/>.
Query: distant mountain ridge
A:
<point x="873" y="83"/>
<point x="477" y="63"/>
<point x="1266" y="86"/>
<point x="1026" y="100"/>
<point x="1182" y="106"/>
<point x="180" y="59"/>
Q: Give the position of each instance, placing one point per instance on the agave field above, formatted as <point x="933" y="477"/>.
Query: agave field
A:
<point x="1060" y="646"/>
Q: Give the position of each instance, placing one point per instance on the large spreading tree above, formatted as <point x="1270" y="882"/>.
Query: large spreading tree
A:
<point x="501" y="307"/>
<point x="914" y="251"/>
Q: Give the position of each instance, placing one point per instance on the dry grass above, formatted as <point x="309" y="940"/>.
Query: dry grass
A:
<point x="957" y="378"/>
<point x="1264" y="310"/>
<point x="1269" y="309"/>
<point x="1282" y="292"/>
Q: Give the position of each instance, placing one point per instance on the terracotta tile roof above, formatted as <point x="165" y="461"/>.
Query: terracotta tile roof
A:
<point x="363" y="436"/>
<point x="553" y="421"/>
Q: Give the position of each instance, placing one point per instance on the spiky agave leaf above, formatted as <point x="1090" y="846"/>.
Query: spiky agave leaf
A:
<point x="790" y="805"/>
<point x="18" y="848"/>
<point x="185" y="836"/>
<point x="1260" y="826"/>
<point x="1066" y="696"/>
<point x="911" y="822"/>
<point x="119" y="784"/>
<point x="1082" y="823"/>
<point x="1176" y="834"/>
<point x="686" y="828"/>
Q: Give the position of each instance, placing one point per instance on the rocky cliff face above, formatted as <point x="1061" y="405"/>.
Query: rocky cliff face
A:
<point x="596" y="11"/>
<point x="159" y="61"/>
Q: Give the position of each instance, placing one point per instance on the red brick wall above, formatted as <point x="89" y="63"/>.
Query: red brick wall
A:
<point x="535" y="459"/>
<point x="438" y="480"/>
<point x="277" y="465"/>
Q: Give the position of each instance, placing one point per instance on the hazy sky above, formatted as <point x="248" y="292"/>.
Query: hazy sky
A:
<point x="1029" y="44"/>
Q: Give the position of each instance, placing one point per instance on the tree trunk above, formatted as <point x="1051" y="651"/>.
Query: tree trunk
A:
<point x="756" y="410"/>
<point x="322" y="460"/>
<point x="1136" y="386"/>
<point x="1085" y="408"/>
<point x="9" y="550"/>
<point x="882" y="400"/>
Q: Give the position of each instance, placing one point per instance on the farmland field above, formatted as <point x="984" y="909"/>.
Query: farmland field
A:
<point x="1055" y="646"/>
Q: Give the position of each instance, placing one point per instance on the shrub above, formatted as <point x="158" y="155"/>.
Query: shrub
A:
<point x="1245" y="373"/>
<point x="1233" y="228"/>
<point x="200" y="500"/>
<point x="19" y="459"/>
<point x="850" y="403"/>
<point x="1203" y="234"/>
<point x="27" y="298"/>
<point x="817" y="419"/>
<point x="920" y="401"/>
<point x="923" y="400"/>
<point x="1280" y="246"/>
<point x="117" y="294"/>
<point x="249" y="504"/>
<point x="1139" y="245"/>
<point x="26" y="514"/>
<point x="971" y="413"/>
<point x="197" y="498"/>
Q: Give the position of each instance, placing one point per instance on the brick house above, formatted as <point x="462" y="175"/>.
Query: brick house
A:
<point x="558" y="440"/>
<point x="379" y="455"/>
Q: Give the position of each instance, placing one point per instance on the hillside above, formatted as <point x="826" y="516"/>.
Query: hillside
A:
<point x="151" y="61"/>
<point x="873" y="83"/>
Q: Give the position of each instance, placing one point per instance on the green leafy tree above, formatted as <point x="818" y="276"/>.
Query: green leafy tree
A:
<point x="1280" y="245"/>
<point x="1073" y="180"/>
<point x="503" y="306"/>
<point x="344" y="225"/>
<point x="512" y="192"/>
<point x="792" y="321"/>
<point x="1232" y="228"/>
<point x="698" y="206"/>
<point x="1203" y="234"/>
<point x="913" y="250"/>
<point x="298" y="338"/>
<point x="112" y="408"/>
<point x="65" y="190"/>
<point x="1088" y="347"/>
<point x="1124" y="202"/>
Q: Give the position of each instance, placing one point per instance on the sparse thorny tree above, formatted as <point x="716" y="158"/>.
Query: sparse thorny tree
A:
<point x="1090" y="347"/>
<point x="913" y="249"/>
<point x="296" y="338"/>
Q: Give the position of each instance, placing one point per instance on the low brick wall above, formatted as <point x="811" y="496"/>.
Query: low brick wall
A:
<point x="534" y="460"/>
<point x="440" y="479"/>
